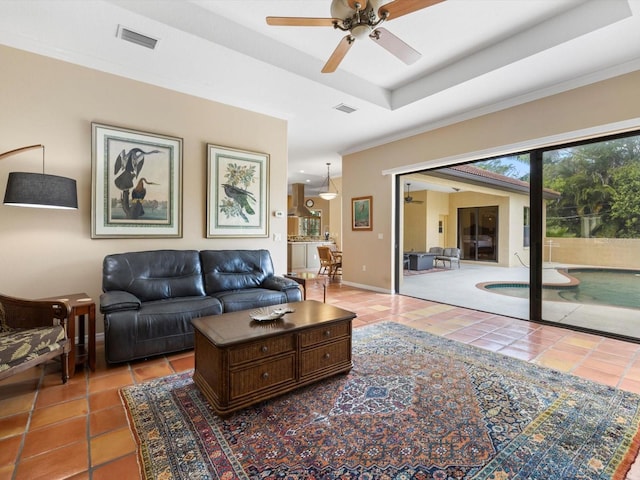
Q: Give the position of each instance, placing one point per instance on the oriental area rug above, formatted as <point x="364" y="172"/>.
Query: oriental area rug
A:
<point x="415" y="406"/>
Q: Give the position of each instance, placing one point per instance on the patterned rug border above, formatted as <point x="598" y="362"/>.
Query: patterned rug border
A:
<point x="624" y="455"/>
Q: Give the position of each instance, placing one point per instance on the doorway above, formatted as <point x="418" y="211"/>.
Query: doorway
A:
<point x="478" y="233"/>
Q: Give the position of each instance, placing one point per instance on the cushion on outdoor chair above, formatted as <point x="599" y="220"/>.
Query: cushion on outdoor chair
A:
<point x="17" y="346"/>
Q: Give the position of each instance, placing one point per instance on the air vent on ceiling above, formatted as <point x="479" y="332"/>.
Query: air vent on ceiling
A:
<point x="345" y="108"/>
<point x="134" y="37"/>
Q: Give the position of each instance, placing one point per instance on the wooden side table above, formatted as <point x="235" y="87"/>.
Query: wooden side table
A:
<point x="84" y="308"/>
<point x="302" y="278"/>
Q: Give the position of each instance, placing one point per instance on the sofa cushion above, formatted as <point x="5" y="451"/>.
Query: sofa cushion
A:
<point x="163" y="318"/>
<point x="234" y="269"/>
<point x="154" y="275"/>
<point x="18" y="346"/>
<point x="249" y="298"/>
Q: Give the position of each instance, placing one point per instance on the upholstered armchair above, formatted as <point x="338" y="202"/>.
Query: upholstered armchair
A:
<point x="32" y="332"/>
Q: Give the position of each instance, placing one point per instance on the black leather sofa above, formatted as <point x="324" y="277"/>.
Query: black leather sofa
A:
<point x="150" y="297"/>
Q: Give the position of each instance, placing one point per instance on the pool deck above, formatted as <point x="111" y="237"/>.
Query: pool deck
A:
<point x="458" y="287"/>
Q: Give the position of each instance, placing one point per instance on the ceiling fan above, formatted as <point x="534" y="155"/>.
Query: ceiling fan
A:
<point x="360" y="18"/>
<point x="408" y="198"/>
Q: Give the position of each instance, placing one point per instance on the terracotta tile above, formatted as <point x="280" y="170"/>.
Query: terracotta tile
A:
<point x="559" y="360"/>
<point x="487" y="344"/>
<point x="111" y="445"/>
<point x="6" y="472"/>
<point x="61" y="393"/>
<point x="13" y="425"/>
<point x="498" y="338"/>
<point x="104" y="399"/>
<point x="596" y="375"/>
<point x="461" y="336"/>
<point x="79" y="476"/>
<point x="629" y="385"/>
<point x="633" y="373"/>
<point x="9" y="448"/>
<point x="107" y="420"/>
<point x="618" y="347"/>
<point x="183" y="364"/>
<point x="55" y="464"/>
<point x="48" y="438"/>
<point x="512" y="351"/>
<point x="608" y="357"/>
<point x="29" y="377"/>
<point x="124" y="468"/>
<point x="527" y="346"/>
<point x="18" y="403"/>
<point x="147" y="372"/>
<point x="117" y="380"/>
<point x="605" y="367"/>
<point x="583" y="341"/>
<point x="59" y="412"/>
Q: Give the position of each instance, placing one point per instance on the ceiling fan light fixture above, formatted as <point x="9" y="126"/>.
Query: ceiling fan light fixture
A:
<point x="328" y="194"/>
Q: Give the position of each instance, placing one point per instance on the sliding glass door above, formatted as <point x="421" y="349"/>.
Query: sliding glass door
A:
<point x="478" y="233"/>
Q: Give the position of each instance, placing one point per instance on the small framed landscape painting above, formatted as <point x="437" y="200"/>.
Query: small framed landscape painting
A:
<point x="136" y="183"/>
<point x="237" y="193"/>
<point x="361" y="213"/>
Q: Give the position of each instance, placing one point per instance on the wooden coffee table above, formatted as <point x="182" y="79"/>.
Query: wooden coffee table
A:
<point x="239" y="361"/>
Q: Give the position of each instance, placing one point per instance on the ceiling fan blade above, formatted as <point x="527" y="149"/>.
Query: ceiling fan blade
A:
<point x="399" y="8"/>
<point x="338" y="54"/>
<point x="393" y="44"/>
<point x="352" y="4"/>
<point x="301" y="21"/>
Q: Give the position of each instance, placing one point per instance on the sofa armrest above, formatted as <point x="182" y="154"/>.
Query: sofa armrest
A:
<point x="118" y="300"/>
<point x="279" y="283"/>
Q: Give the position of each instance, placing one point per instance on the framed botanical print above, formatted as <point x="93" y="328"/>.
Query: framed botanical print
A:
<point x="361" y="213"/>
<point x="136" y="183"/>
<point x="237" y="193"/>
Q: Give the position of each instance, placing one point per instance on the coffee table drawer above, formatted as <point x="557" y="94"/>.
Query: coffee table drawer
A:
<point x="262" y="349"/>
<point x="325" y="356"/>
<point x="315" y="336"/>
<point x="246" y="381"/>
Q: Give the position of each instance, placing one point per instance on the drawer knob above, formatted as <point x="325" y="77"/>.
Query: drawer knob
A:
<point x="264" y="349"/>
<point x="327" y="355"/>
<point x="327" y="333"/>
<point x="265" y="375"/>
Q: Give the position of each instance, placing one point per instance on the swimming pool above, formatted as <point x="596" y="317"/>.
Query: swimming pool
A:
<point x="596" y="286"/>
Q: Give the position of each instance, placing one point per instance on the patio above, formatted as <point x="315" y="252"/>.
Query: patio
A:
<point x="458" y="287"/>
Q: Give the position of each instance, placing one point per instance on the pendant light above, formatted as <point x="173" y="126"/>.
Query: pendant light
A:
<point x="328" y="194"/>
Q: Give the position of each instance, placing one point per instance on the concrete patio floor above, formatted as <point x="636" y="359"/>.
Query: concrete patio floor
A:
<point x="458" y="287"/>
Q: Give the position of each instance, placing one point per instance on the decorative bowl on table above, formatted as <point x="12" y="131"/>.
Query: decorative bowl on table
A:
<point x="267" y="314"/>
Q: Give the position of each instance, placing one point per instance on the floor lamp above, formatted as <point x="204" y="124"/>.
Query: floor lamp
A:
<point x="38" y="189"/>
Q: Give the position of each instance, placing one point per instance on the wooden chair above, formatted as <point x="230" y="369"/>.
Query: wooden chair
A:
<point x="329" y="263"/>
<point x="32" y="332"/>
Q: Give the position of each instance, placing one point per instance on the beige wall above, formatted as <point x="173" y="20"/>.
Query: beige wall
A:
<point x="602" y="252"/>
<point x="533" y="123"/>
<point x="415" y="223"/>
<point x="50" y="252"/>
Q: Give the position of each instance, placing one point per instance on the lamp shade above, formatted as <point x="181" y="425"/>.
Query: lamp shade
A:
<point x="41" y="191"/>
<point x="328" y="195"/>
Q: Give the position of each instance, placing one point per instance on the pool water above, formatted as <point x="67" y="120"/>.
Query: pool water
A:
<point x="597" y="287"/>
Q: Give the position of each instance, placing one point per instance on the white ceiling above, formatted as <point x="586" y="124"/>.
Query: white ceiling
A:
<point x="478" y="56"/>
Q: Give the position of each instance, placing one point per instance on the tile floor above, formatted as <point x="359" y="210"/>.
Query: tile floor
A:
<point x="80" y="431"/>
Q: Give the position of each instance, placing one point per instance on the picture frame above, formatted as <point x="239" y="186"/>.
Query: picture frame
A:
<point x="237" y="192"/>
<point x="362" y="213"/>
<point x="136" y="183"/>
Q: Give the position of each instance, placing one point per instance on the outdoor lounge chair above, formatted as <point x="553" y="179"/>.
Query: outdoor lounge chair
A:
<point x="451" y="255"/>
